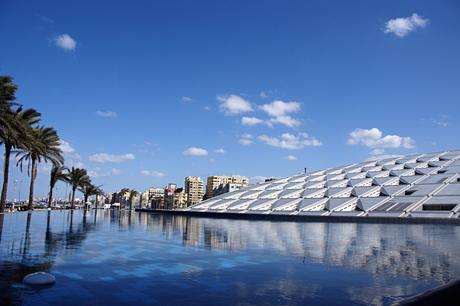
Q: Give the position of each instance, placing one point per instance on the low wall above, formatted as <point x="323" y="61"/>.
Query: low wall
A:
<point x="304" y="218"/>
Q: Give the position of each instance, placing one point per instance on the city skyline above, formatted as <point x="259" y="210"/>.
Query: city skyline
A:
<point x="204" y="90"/>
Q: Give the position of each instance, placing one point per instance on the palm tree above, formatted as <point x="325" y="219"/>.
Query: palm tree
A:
<point x="89" y="189"/>
<point x="132" y="194"/>
<point x="98" y="192"/>
<point x="7" y="96"/>
<point x="15" y="129"/>
<point x="58" y="173"/>
<point x="41" y="145"/>
<point x="122" y="194"/>
<point x="77" y="177"/>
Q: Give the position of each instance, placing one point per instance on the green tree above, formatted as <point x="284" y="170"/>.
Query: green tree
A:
<point x="42" y="144"/>
<point x="77" y="177"/>
<point x="15" y="124"/>
<point x="58" y="173"/>
<point x="98" y="192"/>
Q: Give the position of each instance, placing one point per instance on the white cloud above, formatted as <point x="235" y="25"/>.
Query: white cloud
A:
<point x="285" y="120"/>
<point x="107" y="114"/>
<point x="212" y="160"/>
<point x="246" y="139"/>
<point x="263" y="95"/>
<point x="152" y="173"/>
<point x="383" y="156"/>
<point x="251" y="121"/>
<point x="97" y="172"/>
<point x="207" y="108"/>
<point x="219" y="151"/>
<point x="374" y="139"/>
<point x="441" y="120"/>
<point x="377" y="152"/>
<point x="290" y="141"/>
<point x="65" y="147"/>
<point x="66" y="42"/>
<point x="110" y="158"/>
<point x="234" y="105"/>
<point x="404" y="25"/>
<point x="194" y="151"/>
<point x="291" y="157"/>
<point x="280" y="108"/>
<point x="186" y="99"/>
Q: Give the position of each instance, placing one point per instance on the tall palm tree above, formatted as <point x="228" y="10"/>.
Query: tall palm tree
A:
<point x="15" y="129"/>
<point x="41" y="145"/>
<point x="122" y="194"/>
<point x="7" y="96"/>
<point x="77" y="177"/>
<point x="132" y="194"/>
<point x="58" y="173"/>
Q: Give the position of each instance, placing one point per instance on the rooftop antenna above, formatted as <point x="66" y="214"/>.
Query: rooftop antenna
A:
<point x="305" y="170"/>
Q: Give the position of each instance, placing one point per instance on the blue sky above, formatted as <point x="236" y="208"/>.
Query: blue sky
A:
<point x="146" y="92"/>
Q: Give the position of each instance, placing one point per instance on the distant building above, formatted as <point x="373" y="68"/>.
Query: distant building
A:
<point x="229" y="187"/>
<point x="215" y="181"/>
<point x="169" y="194"/>
<point x="156" y="197"/>
<point x="180" y="198"/>
<point x="193" y="189"/>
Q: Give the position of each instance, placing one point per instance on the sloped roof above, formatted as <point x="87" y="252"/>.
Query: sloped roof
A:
<point x="422" y="184"/>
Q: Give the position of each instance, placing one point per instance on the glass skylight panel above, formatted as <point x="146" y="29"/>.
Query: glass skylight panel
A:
<point x="337" y="183"/>
<point x="452" y="189"/>
<point x="393" y="167"/>
<point x="291" y="194"/>
<point x="378" y="174"/>
<point x="437" y="178"/>
<point x="270" y="194"/>
<point x="314" y="193"/>
<point x="261" y="205"/>
<point x="360" y="182"/>
<point x="339" y="192"/>
<point x="240" y="205"/>
<point x="422" y="189"/>
<point x="286" y="204"/>
<point x="276" y="186"/>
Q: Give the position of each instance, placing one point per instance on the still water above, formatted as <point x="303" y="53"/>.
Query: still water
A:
<point x="112" y="258"/>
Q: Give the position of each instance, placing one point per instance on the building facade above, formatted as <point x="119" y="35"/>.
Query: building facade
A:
<point x="193" y="189"/>
<point x="214" y="182"/>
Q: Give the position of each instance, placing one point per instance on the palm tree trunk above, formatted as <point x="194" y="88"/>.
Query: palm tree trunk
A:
<point x="33" y="174"/>
<point x="6" y="167"/>
<point x="50" y="199"/>
<point x="72" y="202"/>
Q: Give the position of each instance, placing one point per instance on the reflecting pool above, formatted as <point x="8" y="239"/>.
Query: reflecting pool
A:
<point x="123" y="258"/>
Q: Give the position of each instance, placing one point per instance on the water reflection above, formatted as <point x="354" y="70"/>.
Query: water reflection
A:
<point x="80" y="245"/>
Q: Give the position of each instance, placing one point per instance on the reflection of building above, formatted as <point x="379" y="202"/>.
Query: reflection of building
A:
<point x="213" y="183"/>
<point x="194" y="189"/>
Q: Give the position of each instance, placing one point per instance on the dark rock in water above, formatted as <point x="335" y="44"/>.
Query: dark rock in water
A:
<point x="39" y="278"/>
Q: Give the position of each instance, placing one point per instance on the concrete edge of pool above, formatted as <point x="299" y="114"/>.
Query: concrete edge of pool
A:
<point x="305" y="218"/>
